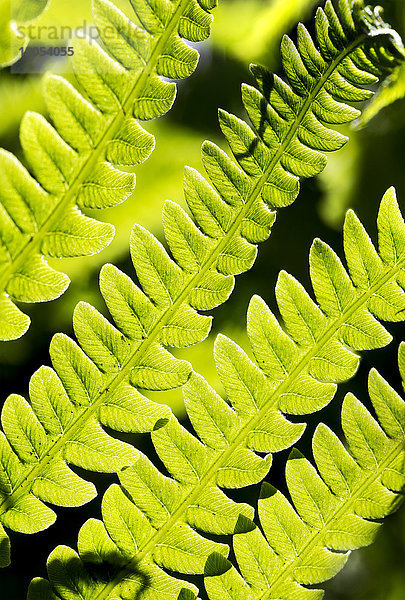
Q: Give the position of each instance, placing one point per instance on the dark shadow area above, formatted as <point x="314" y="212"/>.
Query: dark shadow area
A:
<point x="75" y="575"/>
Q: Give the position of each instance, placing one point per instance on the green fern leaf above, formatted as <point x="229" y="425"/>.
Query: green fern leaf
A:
<point x="98" y="380"/>
<point x="335" y="508"/>
<point x="296" y="371"/>
<point x="73" y="164"/>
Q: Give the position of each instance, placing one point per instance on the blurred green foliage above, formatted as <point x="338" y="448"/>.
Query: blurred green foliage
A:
<point x="357" y="176"/>
<point x="14" y="15"/>
<point x="259" y="28"/>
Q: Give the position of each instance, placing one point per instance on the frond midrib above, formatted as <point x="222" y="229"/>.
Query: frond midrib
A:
<point x="32" y="245"/>
<point x="345" y="507"/>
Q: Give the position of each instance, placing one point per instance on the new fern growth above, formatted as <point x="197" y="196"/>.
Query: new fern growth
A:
<point x="74" y="163"/>
<point x="154" y="523"/>
<point x="96" y="382"/>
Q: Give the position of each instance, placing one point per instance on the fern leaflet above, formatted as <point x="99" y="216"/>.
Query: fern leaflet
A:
<point x="335" y="512"/>
<point x="152" y="522"/>
<point x="97" y="380"/>
<point x="75" y="162"/>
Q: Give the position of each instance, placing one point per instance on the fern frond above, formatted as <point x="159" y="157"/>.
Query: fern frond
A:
<point x="157" y="520"/>
<point x="74" y="163"/>
<point x="99" y="377"/>
<point x="335" y="508"/>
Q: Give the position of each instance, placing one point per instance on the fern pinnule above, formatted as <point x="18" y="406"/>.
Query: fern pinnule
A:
<point x="98" y="379"/>
<point x="153" y="522"/>
<point x="336" y="508"/>
<point x="74" y="163"/>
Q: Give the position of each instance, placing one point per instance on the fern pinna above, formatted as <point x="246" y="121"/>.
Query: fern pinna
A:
<point x="97" y="381"/>
<point x="75" y="162"/>
<point x="154" y="523"/>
